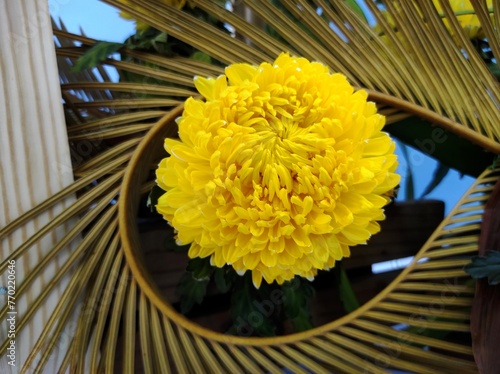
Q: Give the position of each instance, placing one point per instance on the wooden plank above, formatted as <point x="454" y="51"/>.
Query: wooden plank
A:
<point x="485" y="321"/>
<point x="34" y="162"/>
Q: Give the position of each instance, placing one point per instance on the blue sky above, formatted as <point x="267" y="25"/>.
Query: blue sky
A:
<point x="100" y="21"/>
<point x="96" y="19"/>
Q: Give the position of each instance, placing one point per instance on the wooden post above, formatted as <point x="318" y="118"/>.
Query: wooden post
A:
<point x="34" y="165"/>
<point x="485" y="318"/>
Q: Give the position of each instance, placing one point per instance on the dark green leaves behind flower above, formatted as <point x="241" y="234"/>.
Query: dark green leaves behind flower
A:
<point x="297" y="295"/>
<point x="439" y="174"/>
<point x="252" y="310"/>
<point x="347" y="295"/>
<point x="487" y="266"/>
<point x="446" y="147"/>
<point x="153" y="197"/>
<point x="191" y="291"/>
<point x="95" y="55"/>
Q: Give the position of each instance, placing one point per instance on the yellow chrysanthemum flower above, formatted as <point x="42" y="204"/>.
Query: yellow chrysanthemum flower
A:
<point x="279" y="171"/>
<point x="464" y="11"/>
<point x="142" y="26"/>
<point x="469" y="22"/>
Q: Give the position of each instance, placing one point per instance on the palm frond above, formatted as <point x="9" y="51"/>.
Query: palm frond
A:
<point x="360" y="341"/>
<point x="419" y="63"/>
<point x="432" y="294"/>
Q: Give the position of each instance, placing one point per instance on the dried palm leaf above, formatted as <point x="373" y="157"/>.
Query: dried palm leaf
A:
<point x="421" y="64"/>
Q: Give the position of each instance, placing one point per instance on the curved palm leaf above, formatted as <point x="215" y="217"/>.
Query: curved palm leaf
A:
<point x="420" y="64"/>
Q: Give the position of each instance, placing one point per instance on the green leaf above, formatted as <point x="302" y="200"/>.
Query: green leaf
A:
<point x="356" y="8"/>
<point x="409" y="184"/>
<point x="155" y="193"/>
<point x="251" y="310"/>
<point x="297" y="295"/>
<point x="151" y="40"/>
<point x="95" y="55"/>
<point x="495" y="163"/>
<point x="494" y="69"/>
<point x="485" y="267"/>
<point x="200" y="268"/>
<point x="347" y="295"/>
<point x="439" y="174"/>
<point x="446" y="147"/>
<point x="160" y="38"/>
<point x="303" y="321"/>
<point x="202" y="57"/>
<point x="224" y="278"/>
<point x="191" y="291"/>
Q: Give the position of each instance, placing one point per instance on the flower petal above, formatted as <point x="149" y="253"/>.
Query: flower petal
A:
<point x="205" y="86"/>
<point x="239" y="73"/>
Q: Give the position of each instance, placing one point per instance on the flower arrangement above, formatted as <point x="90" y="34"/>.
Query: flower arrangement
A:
<point x="438" y="91"/>
<point x="280" y="170"/>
